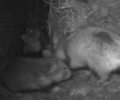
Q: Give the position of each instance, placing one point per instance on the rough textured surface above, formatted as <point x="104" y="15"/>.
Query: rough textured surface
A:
<point x="12" y="24"/>
<point x="82" y="86"/>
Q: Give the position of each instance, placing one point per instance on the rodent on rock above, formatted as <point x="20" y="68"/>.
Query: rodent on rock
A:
<point x="31" y="74"/>
<point x="95" y="47"/>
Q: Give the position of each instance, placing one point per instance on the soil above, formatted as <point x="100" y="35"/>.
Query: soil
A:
<point x="83" y="85"/>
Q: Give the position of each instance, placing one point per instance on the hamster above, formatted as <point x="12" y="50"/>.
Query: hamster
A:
<point x="32" y="43"/>
<point x="32" y="74"/>
<point x="90" y="46"/>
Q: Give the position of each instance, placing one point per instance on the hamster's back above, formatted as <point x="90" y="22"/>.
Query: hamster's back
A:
<point x="28" y="74"/>
<point x="21" y="71"/>
<point x="90" y="46"/>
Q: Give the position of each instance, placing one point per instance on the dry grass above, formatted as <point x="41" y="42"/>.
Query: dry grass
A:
<point x="64" y="15"/>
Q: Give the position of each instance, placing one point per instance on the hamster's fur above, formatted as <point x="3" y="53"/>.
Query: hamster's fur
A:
<point x="29" y="74"/>
<point x="87" y="46"/>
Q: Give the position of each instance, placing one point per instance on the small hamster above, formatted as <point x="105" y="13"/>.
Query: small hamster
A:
<point x="32" y="43"/>
<point x="95" y="47"/>
<point x="31" y="74"/>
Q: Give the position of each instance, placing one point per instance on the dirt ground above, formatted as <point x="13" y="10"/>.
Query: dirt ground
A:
<point x="83" y="85"/>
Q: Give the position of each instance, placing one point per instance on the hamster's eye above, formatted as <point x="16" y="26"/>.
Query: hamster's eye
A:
<point x="65" y="69"/>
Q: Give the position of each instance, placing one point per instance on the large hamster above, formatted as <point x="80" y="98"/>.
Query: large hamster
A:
<point x="95" y="47"/>
<point x="28" y="74"/>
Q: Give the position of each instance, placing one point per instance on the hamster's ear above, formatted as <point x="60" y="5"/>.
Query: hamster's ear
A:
<point x="24" y="37"/>
<point x="46" y="53"/>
